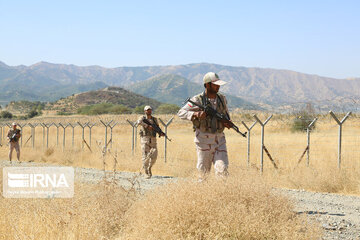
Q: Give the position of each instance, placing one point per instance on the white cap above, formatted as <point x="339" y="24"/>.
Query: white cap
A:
<point x="213" y="78"/>
<point x="14" y="124"/>
<point x="147" y="108"/>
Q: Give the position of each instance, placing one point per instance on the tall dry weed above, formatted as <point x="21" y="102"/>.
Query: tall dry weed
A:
<point x="95" y="212"/>
<point x="345" y="181"/>
<point x="236" y="208"/>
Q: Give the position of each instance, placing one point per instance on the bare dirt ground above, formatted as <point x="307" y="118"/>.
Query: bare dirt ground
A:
<point x="339" y="215"/>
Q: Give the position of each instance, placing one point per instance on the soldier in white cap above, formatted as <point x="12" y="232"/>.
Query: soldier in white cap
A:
<point x="209" y="136"/>
<point x="148" y="140"/>
<point x="13" y="137"/>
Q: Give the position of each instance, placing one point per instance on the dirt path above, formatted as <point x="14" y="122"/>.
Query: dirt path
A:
<point x="339" y="215"/>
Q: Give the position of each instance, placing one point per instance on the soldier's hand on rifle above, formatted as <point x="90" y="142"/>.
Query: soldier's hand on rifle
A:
<point x="162" y="134"/>
<point x="227" y="125"/>
<point x="200" y="115"/>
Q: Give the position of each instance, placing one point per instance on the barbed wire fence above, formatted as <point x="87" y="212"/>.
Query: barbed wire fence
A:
<point x="337" y="143"/>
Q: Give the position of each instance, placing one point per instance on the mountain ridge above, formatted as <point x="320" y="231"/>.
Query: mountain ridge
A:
<point x="175" y="89"/>
<point x="264" y="86"/>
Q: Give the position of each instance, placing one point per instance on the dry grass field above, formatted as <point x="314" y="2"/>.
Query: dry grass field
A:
<point x="243" y="207"/>
<point x="239" y="208"/>
<point x="233" y="209"/>
<point x="285" y="147"/>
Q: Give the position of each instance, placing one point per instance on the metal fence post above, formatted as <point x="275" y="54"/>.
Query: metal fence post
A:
<point x="43" y="126"/>
<point x="106" y="130"/>
<point x="135" y="135"/>
<point x="248" y="140"/>
<point x="90" y="126"/>
<point x="262" y="140"/>
<point x="6" y="127"/>
<point x="83" y="126"/>
<point x="165" y="140"/>
<point x="73" y="133"/>
<point x="47" y="137"/>
<point x="340" y="123"/>
<point x="64" y="133"/>
<point x="47" y="126"/>
<point x="34" y="137"/>
<point x="133" y="125"/>
<point x="1" y="133"/>
<point x="308" y="130"/>
<point x="57" y="133"/>
<point x="111" y="133"/>
<point x="21" y="130"/>
<point x="32" y="126"/>
<point x="47" y="133"/>
<point x="4" y="131"/>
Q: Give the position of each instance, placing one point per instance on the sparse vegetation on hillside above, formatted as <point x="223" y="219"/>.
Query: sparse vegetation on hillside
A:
<point x="104" y="108"/>
<point x="167" y="109"/>
<point x="25" y="106"/>
<point x="139" y="109"/>
<point x="23" y="109"/>
<point x="6" y="114"/>
<point x="114" y="95"/>
<point x="121" y="101"/>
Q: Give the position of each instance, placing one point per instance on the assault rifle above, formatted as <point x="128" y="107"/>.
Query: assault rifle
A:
<point x="156" y="128"/>
<point x="13" y="138"/>
<point x="213" y="113"/>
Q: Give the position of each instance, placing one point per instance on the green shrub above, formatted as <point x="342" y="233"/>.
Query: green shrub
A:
<point x="104" y="108"/>
<point x="139" y="109"/>
<point x="32" y="113"/>
<point x="63" y="113"/>
<point x="303" y="119"/>
<point x="6" y="114"/>
<point x="167" y="109"/>
<point x="119" y="109"/>
<point x="301" y="123"/>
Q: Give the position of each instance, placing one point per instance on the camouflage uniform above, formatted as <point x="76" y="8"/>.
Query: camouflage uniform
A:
<point x="15" y="143"/>
<point x="148" y="144"/>
<point x="209" y="136"/>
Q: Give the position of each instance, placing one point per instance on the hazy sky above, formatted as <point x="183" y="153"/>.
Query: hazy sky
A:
<point x="317" y="37"/>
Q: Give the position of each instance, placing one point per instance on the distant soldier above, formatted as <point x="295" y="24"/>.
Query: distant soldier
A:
<point x="13" y="137"/>
<point x="209" y="136"/>
<point x="148" y="140"/>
